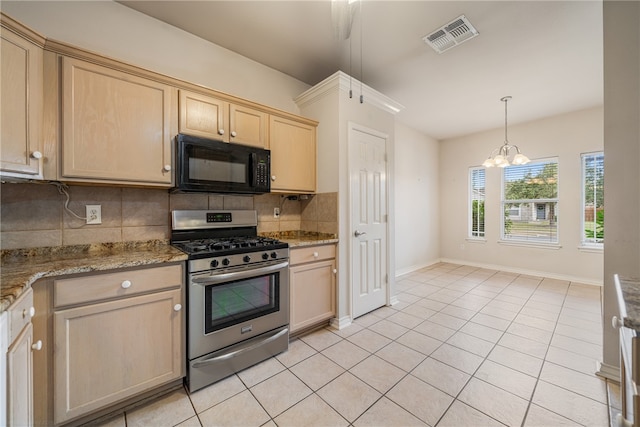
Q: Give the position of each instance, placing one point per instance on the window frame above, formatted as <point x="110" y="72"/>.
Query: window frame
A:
<point x="471" y="234"/>
<point x="503" y="202"/>
<point x="586" y="242"/>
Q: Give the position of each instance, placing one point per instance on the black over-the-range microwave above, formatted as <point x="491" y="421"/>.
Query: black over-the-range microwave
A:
<point x="207" y="165"/>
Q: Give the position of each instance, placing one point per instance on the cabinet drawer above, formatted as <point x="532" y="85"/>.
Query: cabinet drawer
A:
<point x="79" y="290"/>
<point x="311" y="253"/>
<point x="20" y="314"/>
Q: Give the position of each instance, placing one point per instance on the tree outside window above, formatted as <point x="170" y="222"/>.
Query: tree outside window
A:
<point x="530" y="202"/>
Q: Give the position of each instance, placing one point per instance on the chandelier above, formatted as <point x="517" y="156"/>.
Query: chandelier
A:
<point x="501" y="155"/>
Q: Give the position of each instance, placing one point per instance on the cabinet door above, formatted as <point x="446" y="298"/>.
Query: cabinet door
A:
<point x="20" y="379"/>
<point x="313" y="297"/>
<point x="21" y="97"/>
<point x="116" y="127"/>
<point x="293" y="155"/>
<point x="110" y="351"/>
<point x="248" y="126"/>
<point x="203" y="116"/>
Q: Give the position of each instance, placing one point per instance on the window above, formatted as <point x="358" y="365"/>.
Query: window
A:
<point x="593" y="199"/>
<point x="530" y="202"/>
<point x="476" y="202"/>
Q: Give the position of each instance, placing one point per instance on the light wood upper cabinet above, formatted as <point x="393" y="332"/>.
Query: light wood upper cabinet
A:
<point x="209" y="117"/>
<point x="117" y="127"/>
<point x="21" y="97"/>
<point x="293" y="155"/>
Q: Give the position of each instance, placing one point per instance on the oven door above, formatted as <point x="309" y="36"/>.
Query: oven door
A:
<point x="232" y="306"/>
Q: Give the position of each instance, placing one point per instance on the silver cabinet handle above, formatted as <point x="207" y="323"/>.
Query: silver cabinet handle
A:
<point x="36" y="155"/>
<point x="616" y="323"/>
<point x="234" y="133"/>
<point x="359" y="233"/>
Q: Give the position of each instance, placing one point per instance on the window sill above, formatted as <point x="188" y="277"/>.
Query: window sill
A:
<point x="525" y="244"/>
<point x="591" y="249"/>
<point x="476" y="240"/>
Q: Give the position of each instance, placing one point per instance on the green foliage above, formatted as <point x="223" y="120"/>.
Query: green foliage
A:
<point x="598" y="233"/>
<point x="477" y="218"/>
<point x="508" y="223"/>
<point x="544" y="185"/>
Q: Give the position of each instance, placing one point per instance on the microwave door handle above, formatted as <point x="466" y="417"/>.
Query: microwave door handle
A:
<point x="252" y="169"/>
<point x="236" y="275"/>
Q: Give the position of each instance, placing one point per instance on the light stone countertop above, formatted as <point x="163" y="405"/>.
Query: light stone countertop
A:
<point x="303" y="238"/>
<point x="20" y="268"/>
<point x="629" y="291"/>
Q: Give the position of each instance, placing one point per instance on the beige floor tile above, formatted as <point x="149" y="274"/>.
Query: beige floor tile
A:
<point x="405" y="320"/>
<point x="513" y="359"/>
<point x="346" y="354"/>
<point x="460" y="414"/>
<point x="540" y="314"/>
<point x="590" y="386"/>
<point x="207" y="397"/>
<point x="593" y="336"/>
<point x="535" y="322"/>
<point x="580" y="314"/>
<point x="529" y="332"/>
<point x="432" y="304"/>
<point x="420" y="399"/>
<point x="169" y="410"/>
<point x="422" y="343"/>
<point x="459" y="312"/>
<point x="312" y="411"/>
<point x="577" y="346"/>
<point x="378" y="373"/>
<point x="471" y="344"/>
<point x="570" y="405"/>
<point x="241" y="410"/>
<point x="497" y="311"/>
<point x="442" y="376"/>
<point x="117" y="421"/>
<point x="297" y="352"/>
<point x="384" y="312"/>
<point x="423" y="290"/>
<point x="491" y="321"/>
<point x="523" y="345"/>
<point x="540" y="417"/>
<point x="508" y="379"/>
<point x="349" y="395"/>
<point x="388" y="329"/>
<point x="419" y="311"/>
<point x="386" y="413"/>
<point x="447" y="320"/>
<point x="495" y="402"/>
<point x="280" y="392"/>
<point x="458" y="358"/>
<point x="483" y="332"/>
<point x="434" y="330"/>
<point x="369" y="340"/>
<point x="317" y="371"/>
<point x="367" y="319"/>
<point x="321" y="339"/>
<point x="615" y="398"/>
<point x="191" y="422"/>
<point x="401" y="356"/>
<point x="348" y="331"/>
<point x="260" y="372"/>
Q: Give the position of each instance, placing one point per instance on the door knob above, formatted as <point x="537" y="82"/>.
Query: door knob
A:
<point x="359" y="233"/>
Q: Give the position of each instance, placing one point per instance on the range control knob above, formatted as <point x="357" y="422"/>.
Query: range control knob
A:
<point x="274" y="255"/>
<point x="225" y="261"/>
<point x="215" y="263"/>
<point x="246" y="258"/>
<point x="265" y="256"/>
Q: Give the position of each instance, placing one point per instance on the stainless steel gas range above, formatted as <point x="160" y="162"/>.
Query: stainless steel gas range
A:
<point x="237" y="292"/>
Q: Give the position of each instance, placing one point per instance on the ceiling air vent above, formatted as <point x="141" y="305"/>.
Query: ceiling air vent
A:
<point x="450" y="35"/>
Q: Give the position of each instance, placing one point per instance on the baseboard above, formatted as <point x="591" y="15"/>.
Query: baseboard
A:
<point x="608" y="371"/>
<point x="416" y="267"/>
<point x="341" y="323"/>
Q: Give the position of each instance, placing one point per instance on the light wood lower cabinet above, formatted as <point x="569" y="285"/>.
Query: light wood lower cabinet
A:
<point x="20" y="362"/>
<point x="312" y="282"/>
<point x="108" y="351"/>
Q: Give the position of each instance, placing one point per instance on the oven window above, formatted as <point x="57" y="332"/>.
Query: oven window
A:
<point x="236" y="302"/>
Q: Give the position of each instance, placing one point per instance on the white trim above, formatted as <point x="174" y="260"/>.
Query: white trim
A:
<point x="4" y="346"/>
<point x="393" y="300"/>
<point x="341" y="323"/>
<point x="529" y="244"/>
<point x="344" y="82"/>
<point x="482" y="240"/>
<point x="608" y="371"/>
<point x="591" y="249"/>
<point x="415" y="267"/>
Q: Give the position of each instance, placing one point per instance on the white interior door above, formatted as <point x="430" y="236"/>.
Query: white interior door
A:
<point x="368" y="227"/>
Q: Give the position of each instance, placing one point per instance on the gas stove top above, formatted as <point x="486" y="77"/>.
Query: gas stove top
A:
<point x="221" y="234"/>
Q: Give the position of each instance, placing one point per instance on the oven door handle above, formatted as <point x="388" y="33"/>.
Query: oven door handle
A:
<point x="236" y="275"/>
<point x="240" y="351"/>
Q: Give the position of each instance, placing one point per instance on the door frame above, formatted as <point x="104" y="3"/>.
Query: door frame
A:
<point x="351" y="127"/>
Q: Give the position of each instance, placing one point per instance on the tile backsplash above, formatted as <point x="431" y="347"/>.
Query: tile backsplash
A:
<point x="33" y="215"/>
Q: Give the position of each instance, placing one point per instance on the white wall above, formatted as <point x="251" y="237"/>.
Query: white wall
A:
<point x="116" y="31"/>
<point x="417" y="198"/>
<point x="565" y="137"/>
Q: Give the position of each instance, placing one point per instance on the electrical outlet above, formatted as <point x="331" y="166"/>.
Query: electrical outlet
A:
<point x="94" y="214"/>
<point x="276" y="212"/>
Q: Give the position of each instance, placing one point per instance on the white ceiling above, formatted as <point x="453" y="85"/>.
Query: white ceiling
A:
<point x="546" y="54"/>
